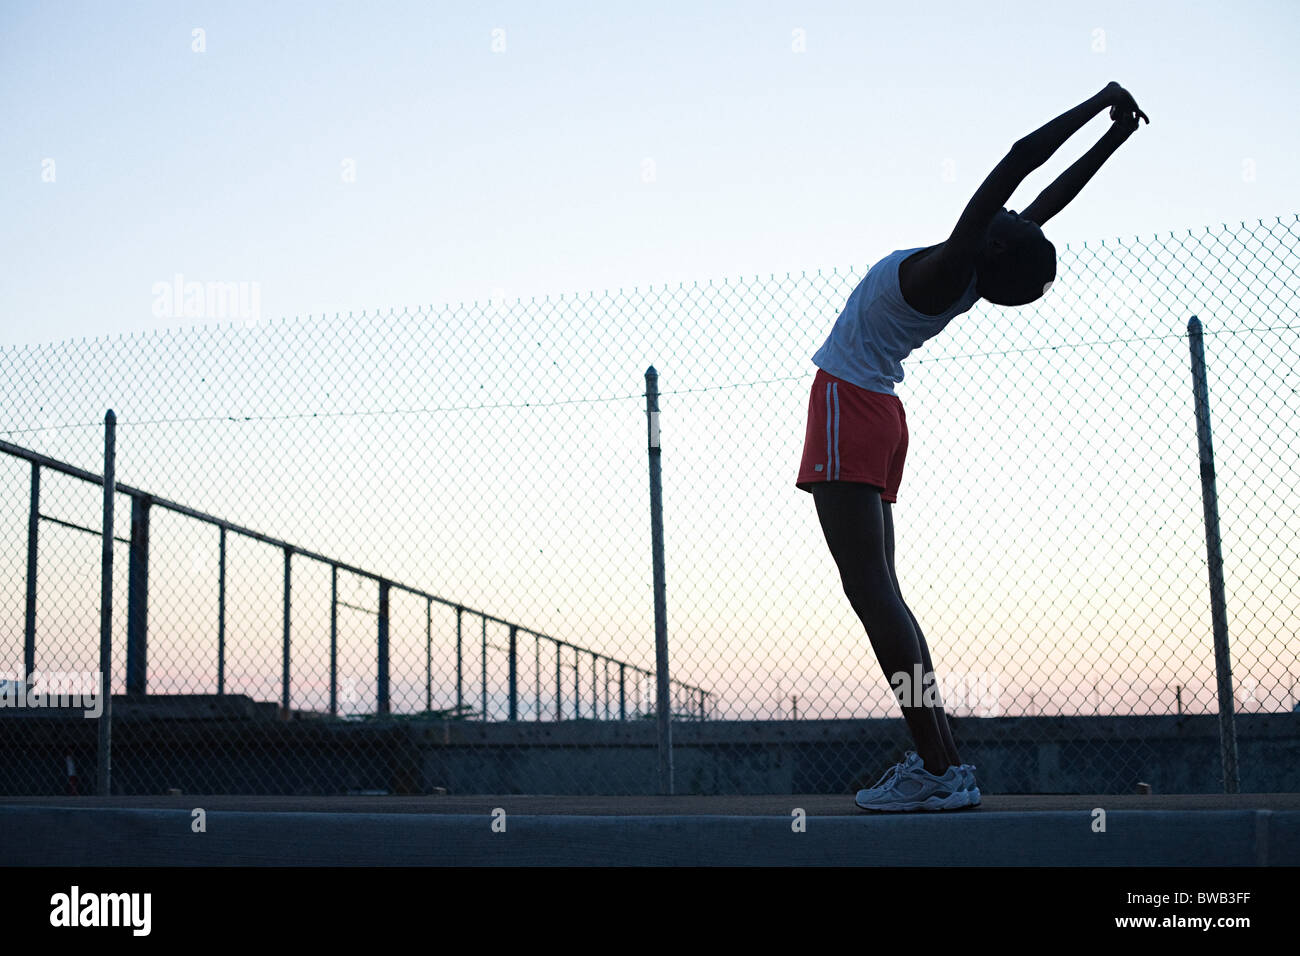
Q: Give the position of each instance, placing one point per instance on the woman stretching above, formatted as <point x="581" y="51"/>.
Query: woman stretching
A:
<point x="857" y="435"/>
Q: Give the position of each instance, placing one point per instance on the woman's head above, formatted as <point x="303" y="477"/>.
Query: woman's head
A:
<point x="1017" y="263"/>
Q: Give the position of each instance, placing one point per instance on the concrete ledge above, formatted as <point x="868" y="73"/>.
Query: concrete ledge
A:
<point x="49" y="836"/>
<point x="180" y="744"/>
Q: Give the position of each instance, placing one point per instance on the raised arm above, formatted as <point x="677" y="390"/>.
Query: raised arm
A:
<point x="1026" y="155"/>
<point x="946" y="273"/>
<point x="1066" y="186"/>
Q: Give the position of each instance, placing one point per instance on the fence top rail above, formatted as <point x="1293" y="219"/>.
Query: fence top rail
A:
<point x="45" y="461"/>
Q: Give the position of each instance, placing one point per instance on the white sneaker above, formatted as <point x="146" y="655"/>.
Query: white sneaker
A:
<point x="909" y="761"/>
<point x="909" y="786"/>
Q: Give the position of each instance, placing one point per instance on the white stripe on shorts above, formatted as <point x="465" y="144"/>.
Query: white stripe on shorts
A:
<point x="830" y="448"/>
<point x="836" y="392"/>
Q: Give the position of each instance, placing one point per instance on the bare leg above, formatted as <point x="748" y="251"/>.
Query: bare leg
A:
<point x="944" y="730"/>
<point x="853" y="520"/>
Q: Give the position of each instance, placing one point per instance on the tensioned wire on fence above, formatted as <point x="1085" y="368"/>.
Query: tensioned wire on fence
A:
<point x="1050" y="532"/>
<point x="625" y="398"/>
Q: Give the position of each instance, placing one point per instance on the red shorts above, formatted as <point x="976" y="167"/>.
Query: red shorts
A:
<point x="854" y="434"/>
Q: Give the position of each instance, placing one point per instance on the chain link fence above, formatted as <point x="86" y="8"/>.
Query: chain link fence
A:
<point x="353" y="547"/>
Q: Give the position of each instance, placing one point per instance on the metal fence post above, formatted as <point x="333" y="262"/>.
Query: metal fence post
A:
<point x="284" y="654"/>
<point x="460" y="696"/>
<point x="105" y="756"/>
<point x="33" y="535"/>
<point x="514" y="678"/>
<point x="663" y="715"/>
<point x="221" y="614"/>
<point x="622" y="693"/>
<point x="137" y="599"/>
<point x="381" y="680"/>
<point x="559" y="687"/>
<point x="1214" y="551"/>
<point x="428" y="654"/>
<point x="334" y="640"/>
<point x="484" y="703"/>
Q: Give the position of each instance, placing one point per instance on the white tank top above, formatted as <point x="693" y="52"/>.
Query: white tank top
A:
<point x="878" y="329"/>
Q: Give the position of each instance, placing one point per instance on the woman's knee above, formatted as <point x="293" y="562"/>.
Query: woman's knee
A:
<point x="873" y="598"/>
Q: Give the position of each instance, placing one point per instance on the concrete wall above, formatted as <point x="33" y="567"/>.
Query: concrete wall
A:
<point x="237" y="748"/>
<point x="1012" y="754"/>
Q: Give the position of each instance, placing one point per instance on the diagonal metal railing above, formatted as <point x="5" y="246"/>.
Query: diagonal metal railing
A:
<point x="144" y="503"/>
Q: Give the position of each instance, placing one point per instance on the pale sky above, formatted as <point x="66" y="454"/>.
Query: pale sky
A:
<point x="523" y="172"/>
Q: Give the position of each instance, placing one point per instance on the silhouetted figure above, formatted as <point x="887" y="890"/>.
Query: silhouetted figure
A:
<point x="857" y="433"/>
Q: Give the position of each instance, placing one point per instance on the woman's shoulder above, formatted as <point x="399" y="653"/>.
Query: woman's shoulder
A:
<point x="928" y="283"/>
